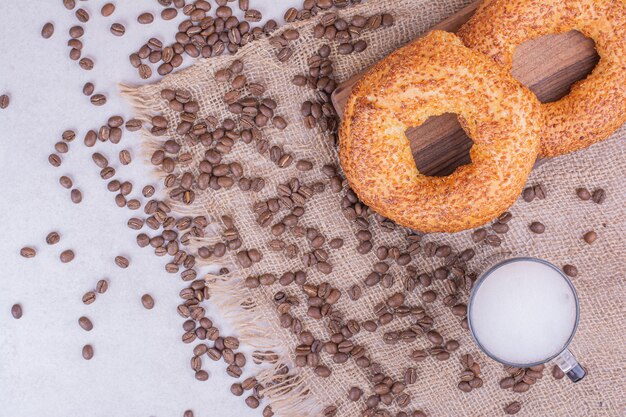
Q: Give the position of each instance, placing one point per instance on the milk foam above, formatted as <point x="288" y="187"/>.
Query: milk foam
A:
<point x="523" y="312"/>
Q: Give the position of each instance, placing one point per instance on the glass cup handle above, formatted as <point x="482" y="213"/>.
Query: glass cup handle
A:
<point x="570" y="366"/>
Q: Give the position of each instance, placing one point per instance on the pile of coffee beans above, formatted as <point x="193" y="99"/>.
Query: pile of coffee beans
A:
<point x="470" y="376"/>
<point x="521" y="379"/>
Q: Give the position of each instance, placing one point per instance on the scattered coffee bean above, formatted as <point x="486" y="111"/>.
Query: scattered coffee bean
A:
<point x="88" y="352"/>
<point x="88" y="89"/>
<point x="188" y="413"/>
<point x="145" y="18"/>
<point x="598" y="196"/>
<point x="16" y="311"/>
<point x="89" y="297"/>
<point x="540" y="191"/>
<point x="86" y="64"/>
<point x="98" y="99"/>
<point x="590" y="237"/>
<point x="570" y="270"/>
<point x="85" y="323"/>
<point x="67" y="256"/>
<point x="4" y="101"/>
<point x="47" y="31"/>
<point x="513" y="408"/>
<point x="583" y="194"/>
<point x="28" y="252"/>
<point x="54" y="160"/>
<point x="118" y="29"/>
<point x="147" y="301"/>
<point x="53" y="238"/>
<point x="125" y="157"/>
<point x="122" y="261"/>
<point x="202" y="375"/>
<point x="76" y="196"/>
<point x="107" y="10"/>
<point x="537" y="227"/>
<point x="102" y="286"/>
<point x="528" y="194"/>
<point x="82" y="15"/>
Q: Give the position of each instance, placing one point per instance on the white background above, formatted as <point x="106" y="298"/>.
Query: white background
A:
<point x="140" y="367"/>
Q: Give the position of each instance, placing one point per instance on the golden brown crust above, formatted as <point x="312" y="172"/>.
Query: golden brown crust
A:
<point x="431" y="76"/>
<point x="596" y="106"/>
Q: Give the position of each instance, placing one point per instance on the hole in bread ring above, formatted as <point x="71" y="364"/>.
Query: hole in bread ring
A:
<point x="429" y="77"/>
<point x="595" y="107"/>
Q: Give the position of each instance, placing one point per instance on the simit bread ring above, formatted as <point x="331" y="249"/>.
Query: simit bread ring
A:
<point x="596" y="106"/>
<point x="434" y="75"/>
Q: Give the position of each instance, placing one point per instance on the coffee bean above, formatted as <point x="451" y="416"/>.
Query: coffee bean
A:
<point x="133" y="125"/>
<point x="122" y="262"/>
<point x="599" y="196"/>
<point x="540" y="191"/>
<point x="125" y="157"/>
<point x="145" y="18"/>
<point x="521" y="387"/>
<point x="102" y="286"/>
<point x="570" y="270"/>
<point x="169" y="13"/>
<point x="322" y="371"/>
<point x="429" y="296"/>
<point x="89" y="297"/>
<point x="252" y="401"/>
<point x="16" y="311"/>
<point x="493" y="240"/>
<point x="507" y="382"/>
<point x="67" y="256"/>
<point x="85" y="323"/>
<point x="69" y="4"/>
<point x="147" y="301"/>
<point x="98" y="99"/>
<point x="537" y="227"/>
<point x="54" y="160"/>
<point x="557" y="373"/>
<point x="202" y="375"/>
<point x="53" y="238"/>
<point x="500" y="227"/>
<point x="513" y="408"/>
<point x="28" y="252"/>
<point x="82" y="15"/>
<point x="528" y="194"/>
<point x="47" y="30"/>
<point x="583" y="194"/>
<point x="86" y="64"/>
<point x="144" y="71"/>
<point x="188" y="413"/>
<point x="117" y="29"/>
<point x="107" y="10"/>
<point x="590" y="237"/>
<point x="479" y="235"/>
<point x="4" y="101"/>
<point x="87" y="352"/>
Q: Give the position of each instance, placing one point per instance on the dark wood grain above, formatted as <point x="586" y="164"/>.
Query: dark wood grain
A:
<point x="547" y="65"/>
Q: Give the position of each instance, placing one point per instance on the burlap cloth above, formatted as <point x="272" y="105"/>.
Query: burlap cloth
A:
<point x="599" y="343"/>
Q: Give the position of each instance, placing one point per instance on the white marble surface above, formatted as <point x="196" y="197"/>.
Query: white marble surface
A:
<point x="140" y="368"/>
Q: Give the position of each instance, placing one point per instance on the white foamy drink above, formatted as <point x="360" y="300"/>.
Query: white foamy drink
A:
<point x="523" y="312"/>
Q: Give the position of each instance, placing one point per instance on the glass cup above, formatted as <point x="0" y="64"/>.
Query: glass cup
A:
<point x="494" y="335"/>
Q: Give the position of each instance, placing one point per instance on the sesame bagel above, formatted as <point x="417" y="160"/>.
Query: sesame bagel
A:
<point x="595" y="106"/>
<point x="431" y="76"/>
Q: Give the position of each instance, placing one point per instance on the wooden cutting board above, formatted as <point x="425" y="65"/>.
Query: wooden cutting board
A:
<point x="547" y="65"/>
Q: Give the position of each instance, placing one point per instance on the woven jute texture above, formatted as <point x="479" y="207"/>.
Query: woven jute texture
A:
<point x="599" y="342"/>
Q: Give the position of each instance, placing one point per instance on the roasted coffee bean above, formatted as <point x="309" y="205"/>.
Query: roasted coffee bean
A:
<point x="513" y="408"/>
<point x="87" y="352"/>
<point x="557" y="373"/>
<point x="53" y="238"/>
<point x="507" y="382"/>
<point x="88" y="89"/>
<point x="570" y="270"/>
<point x="85" y="323"/>
<point x="47" y="30"/>
<point x="125" y="157"/>
<point x="540" y="191"/>
<point x="500" y="227"/>
<point x="67" y="256"/>
<point x="82" y="15"/>
<point x="133" y="125"/>
<point x="537" y="227"/>
<point x="54" y="160"/>
<point x="202" y="375"/>
<point x="69" y="4"/>
<point x="107" y="10"/>
<point x="169" y="13"/>
<point x="147" y="301"/>
<point x="479" y="235"/>
<point x="599" y="196"/>
<point x="122" y="261"/>
<point x="86" y="64"/>
<point x="145" y="18"/>
<point x="252" y="401"/>
<point x="98" y="99"/>
<point x="76" y="196"/>
<point x="118" y="29"/>
<point x="4" y="101"/>
<point x="76" y="32"/>
<point x="528" y="194"/>
<point x="583" y="194"/>
<point x="188" y="413"/>
<point x="28" y="252"/>
<point x="429" y="296"/>
<point x="102" y="286"/>
<point x="16" y="311"/>
<point x="521" y="387"/>
<point x="590" y="237"/>
<point x="89" y="297"/>
<point x="493" y="240"/>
